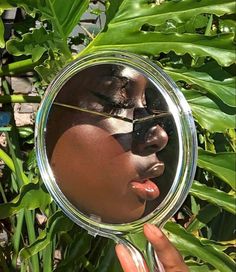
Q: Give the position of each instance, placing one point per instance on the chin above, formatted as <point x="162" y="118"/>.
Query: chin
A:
<point x="127" y="216"/>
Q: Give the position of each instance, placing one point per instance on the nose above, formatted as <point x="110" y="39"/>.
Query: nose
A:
<point x="156" y="138"/>
<point x="148" y="137"/>
<point x="149" y="141"/>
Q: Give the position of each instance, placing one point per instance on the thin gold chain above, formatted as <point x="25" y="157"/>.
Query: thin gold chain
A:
<point x="158" y="114"/>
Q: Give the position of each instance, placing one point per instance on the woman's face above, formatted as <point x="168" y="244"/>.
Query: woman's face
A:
<point x="102" y="165"/>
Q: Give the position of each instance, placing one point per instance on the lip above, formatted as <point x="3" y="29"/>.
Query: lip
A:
<point x="145" y="189"/>
<point x="156" y="170"/>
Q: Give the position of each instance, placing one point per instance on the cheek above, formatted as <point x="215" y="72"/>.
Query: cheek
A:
<point x="94" y="172"/>
<point x="89" y="155"/>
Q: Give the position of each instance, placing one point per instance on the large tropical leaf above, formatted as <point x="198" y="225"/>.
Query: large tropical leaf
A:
<point x="188" y="244"/>
<point x="125" y="32"/>
<point x="64" y="16"/>
<point x="214" y="196"/>
<point x="221" y="164"/>
<point x="207" y="113"/>
<point x="204" y="216"/>
<point x="176" y="10"/>
<point x="224" y="90"/>
<point x="32" y="44"/>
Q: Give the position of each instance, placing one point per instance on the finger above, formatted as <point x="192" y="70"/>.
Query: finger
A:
<point x="125" y="258"/>
<point x="166" y="252"/>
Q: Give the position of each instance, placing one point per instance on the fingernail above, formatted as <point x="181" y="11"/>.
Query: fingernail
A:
<point x="152" y="230"/>
<point x="121" y="249"/>
<point x="125" y="258"/>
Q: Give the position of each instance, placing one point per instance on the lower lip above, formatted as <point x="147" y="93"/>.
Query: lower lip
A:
<point x="146" y="189"/>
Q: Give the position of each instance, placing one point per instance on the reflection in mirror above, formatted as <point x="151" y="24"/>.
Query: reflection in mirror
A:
<point x="112" y="143"/>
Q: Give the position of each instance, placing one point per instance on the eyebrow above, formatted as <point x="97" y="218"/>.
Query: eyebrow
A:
<point x="158" y="114"/>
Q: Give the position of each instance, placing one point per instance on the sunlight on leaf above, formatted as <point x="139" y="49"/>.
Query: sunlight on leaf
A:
<point x="3" y="6"/>
<point x="224" y="90"/>
<point x="2" y="41"/>
<point x="176" y="10"/>
<point x="31" y="196"/>
<point x="124" y="31"/>
<point x="64" y="16"/>
<point x="221" y="164"/>
<point x="207" y="113"/>
<point x="35" y="43"/>
<point x="188" y="244"/>
<point x="56" y="224"/>
<point x="214" y="196"/>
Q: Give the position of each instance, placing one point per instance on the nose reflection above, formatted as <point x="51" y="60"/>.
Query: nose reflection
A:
<point x="149" y="140"/>
<point x="148" y="137"/>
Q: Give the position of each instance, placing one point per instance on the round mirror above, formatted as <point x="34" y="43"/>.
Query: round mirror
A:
<point x="115" y="142"/>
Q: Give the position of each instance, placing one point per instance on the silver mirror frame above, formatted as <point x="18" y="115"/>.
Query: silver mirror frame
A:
<point x="186" y="136"/>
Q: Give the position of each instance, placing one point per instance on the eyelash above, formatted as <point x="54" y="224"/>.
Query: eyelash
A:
<point x="114" y="106"/>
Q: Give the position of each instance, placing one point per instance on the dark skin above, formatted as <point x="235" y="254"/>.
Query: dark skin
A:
<point x="167" y="254"/>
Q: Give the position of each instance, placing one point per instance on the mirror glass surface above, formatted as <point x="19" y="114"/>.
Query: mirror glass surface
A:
<point x="112" y="143"/>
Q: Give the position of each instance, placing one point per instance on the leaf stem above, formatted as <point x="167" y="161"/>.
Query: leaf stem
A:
<point x="18" y="67"/>
<point x="32" y="238"/>
<point x="47" y="258"/>
<point x="17" y="236"/>
<point x="19" y="99"/>
<point x="9" y="162"/>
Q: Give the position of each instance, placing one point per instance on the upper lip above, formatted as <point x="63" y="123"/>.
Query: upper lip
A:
<point x="153" y="171"/>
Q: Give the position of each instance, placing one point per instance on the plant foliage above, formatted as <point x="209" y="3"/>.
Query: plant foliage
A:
<point x="193" y="41"/>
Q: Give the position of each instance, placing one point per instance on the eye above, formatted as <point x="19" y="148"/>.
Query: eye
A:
<point x="114" y="104"/>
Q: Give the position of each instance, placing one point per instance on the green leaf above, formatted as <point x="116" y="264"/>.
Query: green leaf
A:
<point x="63" y="15"/>
<point x="13" y="165"/>
<point x="57" y="223"/>
<point x="188" y="244"/>
<point x="227" y="26"/>
<point x="195" y="267"/>
<point x="3" y="6"/>
<point x="31" y="196"/>
<point x="50" y="67"/>
<point x="35" y="43"/>
<point x="207" y="113"/>
<point x="79" y="247"/>
<point x="176" y="10"/>
<point x="219" y="245"/>
<point x="2" y="41"/>
<point x="214" y="196"/>
<point x="108" y="260"/>
<point x="124" y="31"/>
<point x="205" y="215"/>
<point x="221" y="165"/>
<point x="224" y="90"/>
<point x="220" y="48"/>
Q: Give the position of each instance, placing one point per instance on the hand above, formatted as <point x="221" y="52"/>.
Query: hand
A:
<point x="168" y="255"/>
